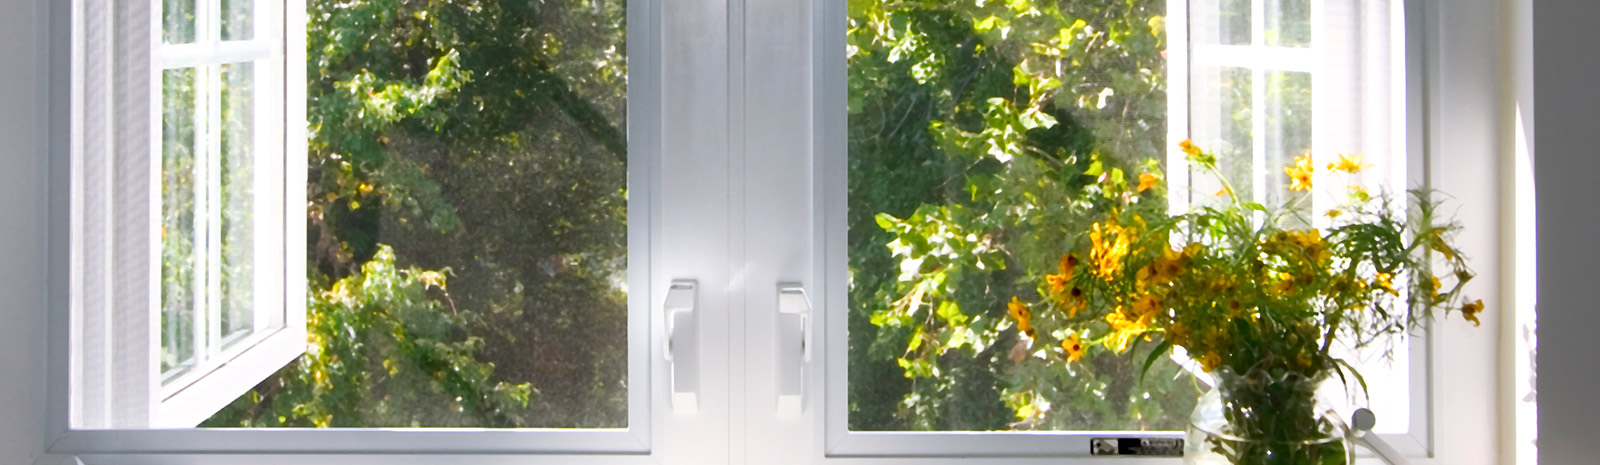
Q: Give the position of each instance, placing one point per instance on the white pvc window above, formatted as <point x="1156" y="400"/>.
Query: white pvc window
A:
<point x="1260" y="82"/>
<point x="188" y="249"/>
<point x="187" y="285"/>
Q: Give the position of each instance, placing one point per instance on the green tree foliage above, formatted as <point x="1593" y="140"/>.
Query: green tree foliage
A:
<point x="484" y="140"/>
<point x="383" y="351"/>
<point x="982" y="135"/>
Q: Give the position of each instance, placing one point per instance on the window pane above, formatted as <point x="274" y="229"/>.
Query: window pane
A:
<point x="1221" y="120"/>
<point x="178" y="221"/>
<point x="238" y="19"/>
<point x="238" y="201"/>
<point x="467" y="230"/>
<point x="177" y="21"/>
<point x="1287" y="136"/>
<point x="978" y="139"/>
<point x="1288" y="23"/>
<point x="1220" y="22"/>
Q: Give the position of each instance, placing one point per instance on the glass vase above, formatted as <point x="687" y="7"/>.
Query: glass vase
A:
<point x="1262" y="418"/>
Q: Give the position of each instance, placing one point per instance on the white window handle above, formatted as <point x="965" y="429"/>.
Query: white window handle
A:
<point x="794" y="348"/>
<point x="682" y="350"/>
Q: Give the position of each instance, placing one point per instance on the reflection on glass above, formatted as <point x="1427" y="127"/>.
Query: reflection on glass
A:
<point x="1221" y="122"/>
<point x="1288" y="23"/>
<point x="1287" y="135"/>
<point x="237" y="201"/>
<point x="467" y="198"/>
<point x="238" y="19"/>
<point x="1221" y="22"/>
<point x="177" y="21"/>
<point x="178" y="221"/>
<point x="977" y="146"/>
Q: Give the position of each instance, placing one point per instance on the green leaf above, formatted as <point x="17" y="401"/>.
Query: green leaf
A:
<point x="1156" y="353"/>
<point x="950" y="312"/>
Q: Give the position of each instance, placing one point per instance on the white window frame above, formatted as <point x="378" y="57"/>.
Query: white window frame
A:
<point x="1438" y="434"/>
<point x="112" y="105"/>
<point x="695" y="216"/>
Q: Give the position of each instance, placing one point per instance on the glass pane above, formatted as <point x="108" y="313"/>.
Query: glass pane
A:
<point x="980" y="141"/>
<point x="238" y="19"/>
<point x="238" y="200"/>
<point x="1220" y="22"/>
<point x="1287" y="136"/>
<point x="179" y="281"/>
<point x="467" y="231"/>
<point x="1220" y="120"/>
<point x="177" y="21"/>
<point x="1288" y="23"/>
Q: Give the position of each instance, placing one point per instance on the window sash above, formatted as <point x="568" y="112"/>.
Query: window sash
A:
<point x="108" y="31"/>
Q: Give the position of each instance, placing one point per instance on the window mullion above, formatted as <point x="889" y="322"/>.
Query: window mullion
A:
<point x="1321" y="117"/>
<point x="213" y="211"/>
<point x="1258" y="105"/>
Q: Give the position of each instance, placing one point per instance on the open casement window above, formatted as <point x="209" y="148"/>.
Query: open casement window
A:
<point x="480" y="211"/>
<point x="187" y="206"/>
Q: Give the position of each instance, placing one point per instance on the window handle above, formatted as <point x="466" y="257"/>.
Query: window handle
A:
<point x="794" y="348"/>
<point x="682" y="350"/>
<point x="1361" y="423"/>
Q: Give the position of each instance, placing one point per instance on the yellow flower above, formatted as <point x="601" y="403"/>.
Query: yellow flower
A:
<point x="1436" y="285"/>
<point x="1058" y="284"/>
<point x="1382" y="281"/>
<point x="1109" y="245"/>
<point x="1300" y="173"/>
<point x="1076" y="302"/>
<point x="1073" y="346"/>
<point x="1224" y="191"/>
<point x="1334" y="213"/>
<point x="1470" y="311"/>
<point x="1188" y="147"/>
<point x="1282" y="283"/>
<point x="1068" y="265"/>
<point x="1210" y="361"/>
<point x="1307" y="238"/>
<point x="1195" y="155"/>
<point x="1146" y="306"/>
<point x="1304" y="360"/>
<point x="1348" y="163"/>
<point x="1147" y="181"/>
<point x="1178" y="334"/>
<point x="1123" y="330"/>
<point x="1019" y="311"/>
<point x="1167" y="266"/>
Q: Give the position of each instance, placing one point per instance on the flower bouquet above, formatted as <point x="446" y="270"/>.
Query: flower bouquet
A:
<point x="1263" y="306"/>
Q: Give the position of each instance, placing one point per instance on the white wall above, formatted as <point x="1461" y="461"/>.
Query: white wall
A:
<point x="1566" y="61"/>
<point x="22" y="220"/>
